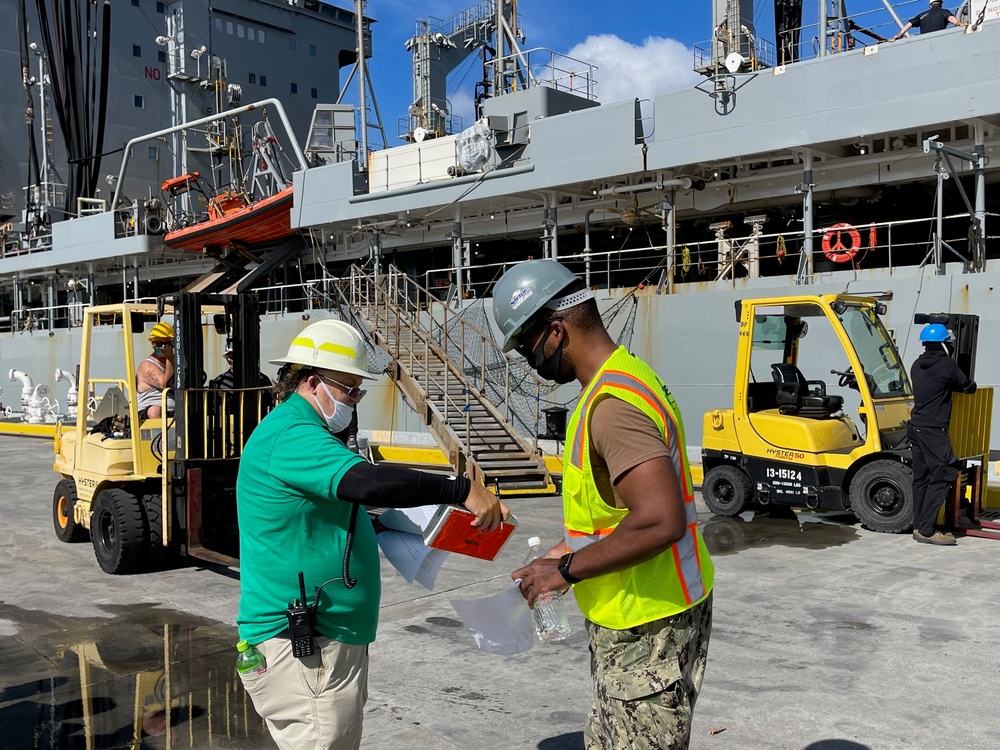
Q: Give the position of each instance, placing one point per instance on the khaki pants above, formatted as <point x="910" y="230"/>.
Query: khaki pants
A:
<point x="314" y="703"/>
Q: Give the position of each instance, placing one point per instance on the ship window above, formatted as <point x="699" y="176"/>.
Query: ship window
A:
<point x="239" y="31"/>
<point x="137" y="101"/>
<point x="253" y="78"/>
<point x="295" y="88"/>
<point x="312" y="50"/>
<point x="313" y="93"/>
<point x="260" y="36"/>
<point x="229" y="28"/>
<point x="218" y="24"/>
<point x="161" y="8"/>
<point x="250" y="33"/>
<point x="291" y="42"/>
<point x="161" y="56"/>
<point x="263" y="80"/>
<point x="136" y="50"/>
<point x="151" y="153"/>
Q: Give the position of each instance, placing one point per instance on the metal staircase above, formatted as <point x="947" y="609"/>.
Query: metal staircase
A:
<point x="456" y="378"/>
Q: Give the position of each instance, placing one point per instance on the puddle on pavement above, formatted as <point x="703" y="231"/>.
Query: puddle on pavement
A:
<point x="777" y="527"/>
<point x="144" y="678"/>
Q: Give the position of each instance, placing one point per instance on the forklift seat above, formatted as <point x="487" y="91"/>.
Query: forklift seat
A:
<point x="800" y="397"/>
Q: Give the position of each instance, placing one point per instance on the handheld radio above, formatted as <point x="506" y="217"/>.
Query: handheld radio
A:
<point x="300" y="626"/>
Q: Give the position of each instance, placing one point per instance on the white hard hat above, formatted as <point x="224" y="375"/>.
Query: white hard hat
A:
<point x="329" y="345"/>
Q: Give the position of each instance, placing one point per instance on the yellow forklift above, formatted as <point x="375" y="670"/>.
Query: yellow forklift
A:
<point x="793" y="441"/>
<point x="789" y="439"/>
<point x="143" y="486"/>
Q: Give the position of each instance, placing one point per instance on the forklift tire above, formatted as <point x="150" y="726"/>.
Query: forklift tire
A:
<point x="153" y="509"/>
<point x="118" y="529"/>
<point x="882" y="496"/>
<point x="726" y="490"/>
<point x="63" y="502"/>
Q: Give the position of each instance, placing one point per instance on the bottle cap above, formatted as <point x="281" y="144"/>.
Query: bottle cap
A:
<point x="242" y="646"/>
<point x="535" y="541"/>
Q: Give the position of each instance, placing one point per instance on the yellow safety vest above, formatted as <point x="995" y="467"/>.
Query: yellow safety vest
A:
<point x="679" y="577"/>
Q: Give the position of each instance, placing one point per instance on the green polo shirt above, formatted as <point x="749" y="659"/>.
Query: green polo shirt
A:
<point x="291" y="520"/>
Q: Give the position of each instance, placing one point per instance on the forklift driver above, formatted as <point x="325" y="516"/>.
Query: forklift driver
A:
<point x="935" y="375"/>
<point x="156" y="373"/>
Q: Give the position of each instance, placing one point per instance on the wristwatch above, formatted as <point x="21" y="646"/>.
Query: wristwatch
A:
<point x="564" y="562"/>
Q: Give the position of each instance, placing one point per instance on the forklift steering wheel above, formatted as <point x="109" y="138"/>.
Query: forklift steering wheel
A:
<point x="847" y="379"/>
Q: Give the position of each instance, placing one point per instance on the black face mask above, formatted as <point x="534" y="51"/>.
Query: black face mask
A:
<point x="548" y="368"/>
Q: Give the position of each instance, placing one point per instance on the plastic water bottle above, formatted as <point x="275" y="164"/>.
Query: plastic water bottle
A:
<point x="249" y="660"/>
<point x="551" y="618"/>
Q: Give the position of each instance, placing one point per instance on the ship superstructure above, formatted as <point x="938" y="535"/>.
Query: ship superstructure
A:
<point x="168" y="62"/>
<point x="791" y="163"/>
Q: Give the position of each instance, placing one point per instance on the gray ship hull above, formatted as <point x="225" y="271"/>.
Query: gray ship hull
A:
<point x="689" y="337"/>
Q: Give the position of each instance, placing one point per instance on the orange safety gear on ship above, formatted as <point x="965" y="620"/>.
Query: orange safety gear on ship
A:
<point x="680" y="576"/>
<point x="833" y="246"/>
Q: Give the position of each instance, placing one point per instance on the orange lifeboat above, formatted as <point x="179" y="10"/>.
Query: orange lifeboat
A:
<point x="231" y="218"/>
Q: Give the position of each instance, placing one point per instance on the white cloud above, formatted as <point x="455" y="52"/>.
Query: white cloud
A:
<point x="628" y="71"/>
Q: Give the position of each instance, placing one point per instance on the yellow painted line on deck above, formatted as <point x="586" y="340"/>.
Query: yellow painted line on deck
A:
<point x="28" y="430"/>
<point x="411" y="455"/>
<point x="697" y="474"/>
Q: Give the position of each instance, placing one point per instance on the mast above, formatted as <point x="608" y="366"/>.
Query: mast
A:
<point x="360" y="6"/>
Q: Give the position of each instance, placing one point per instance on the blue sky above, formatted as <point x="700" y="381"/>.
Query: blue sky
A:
<point x="642" y="48"/>
<point x="560" y="25"/>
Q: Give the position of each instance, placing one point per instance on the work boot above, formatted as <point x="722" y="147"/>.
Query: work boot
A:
<point x="939" y="538"/>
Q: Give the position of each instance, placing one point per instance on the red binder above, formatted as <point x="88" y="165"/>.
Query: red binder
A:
<point x="450" y="530"/>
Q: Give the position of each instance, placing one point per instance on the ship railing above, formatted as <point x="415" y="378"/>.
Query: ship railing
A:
<point x="15" y="243"/>
<point x="90" y="206"/>
<point x="699" y="261"/>
<point x="419" y="329"/>
<point x="45" y="194"/>
<point x="710" y="56"/>
<point x="843" y="34"/>
<point x="471" y="20"/>
<point x="544" y="67"/>
<point x="437" y="124"/>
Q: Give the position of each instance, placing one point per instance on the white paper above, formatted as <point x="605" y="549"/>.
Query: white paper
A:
<point x="409" y="520"/>
<point x="500" y="624"/>
<point x="408" y="554"/>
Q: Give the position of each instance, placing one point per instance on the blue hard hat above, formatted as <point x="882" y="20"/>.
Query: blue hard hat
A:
<point x="935" y="332"/>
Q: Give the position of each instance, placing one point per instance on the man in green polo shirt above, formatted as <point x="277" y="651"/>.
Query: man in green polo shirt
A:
<point x="301" y="495"/>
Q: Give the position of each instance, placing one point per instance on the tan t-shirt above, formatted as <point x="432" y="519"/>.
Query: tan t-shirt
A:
<point x="621" y="438"/>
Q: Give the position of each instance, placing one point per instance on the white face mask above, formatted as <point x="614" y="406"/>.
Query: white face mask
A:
<point x="340" y="420"/>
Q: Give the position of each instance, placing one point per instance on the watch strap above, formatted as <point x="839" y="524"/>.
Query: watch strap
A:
<point x="564" y="563"/>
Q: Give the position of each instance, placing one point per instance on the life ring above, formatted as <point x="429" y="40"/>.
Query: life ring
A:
<point x="833" y="247"/>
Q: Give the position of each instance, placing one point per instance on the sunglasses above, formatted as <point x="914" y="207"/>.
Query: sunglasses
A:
<point x="353" y="393"/>
<point x="526" y="346"/>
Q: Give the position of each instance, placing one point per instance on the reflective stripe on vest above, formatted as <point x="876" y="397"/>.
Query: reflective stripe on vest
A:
<point x="686" y="569"/>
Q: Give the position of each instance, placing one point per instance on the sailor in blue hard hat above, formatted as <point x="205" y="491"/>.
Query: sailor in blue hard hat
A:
<point x="935" y="376"/>
<point x="936" y="333"/>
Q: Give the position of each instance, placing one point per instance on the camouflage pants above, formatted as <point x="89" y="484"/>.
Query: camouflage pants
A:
<point x="646" y="681"/>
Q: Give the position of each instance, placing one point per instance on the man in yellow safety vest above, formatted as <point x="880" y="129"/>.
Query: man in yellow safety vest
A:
<point x="639" y="569"/>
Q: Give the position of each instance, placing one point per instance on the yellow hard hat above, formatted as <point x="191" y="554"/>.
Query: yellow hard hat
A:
<point x="162" y="331"/>
<point x="329" y="345"/>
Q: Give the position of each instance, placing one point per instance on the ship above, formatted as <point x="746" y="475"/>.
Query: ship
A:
<point x="823" y="160"/>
